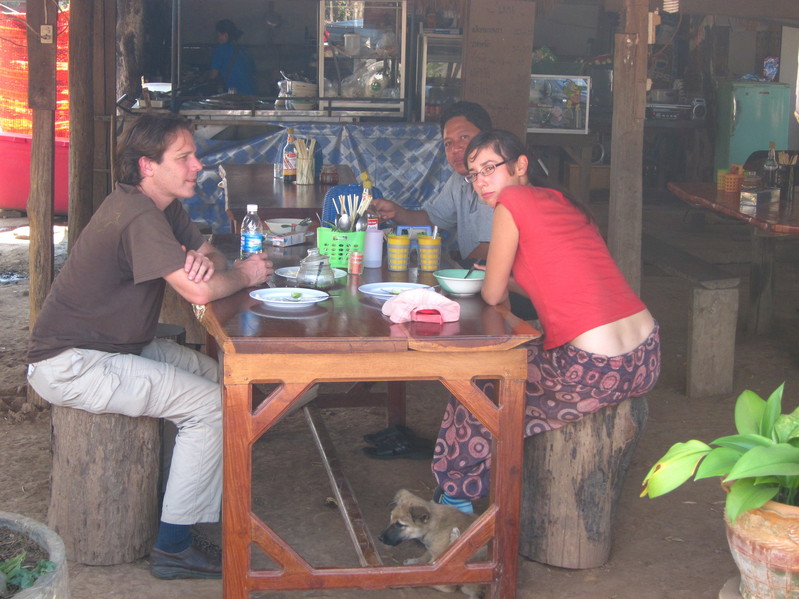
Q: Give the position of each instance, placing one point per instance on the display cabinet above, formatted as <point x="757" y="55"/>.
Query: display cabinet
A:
<point x="440" y="58"/>
<point x="362" y="48"/>
<point x="559" y="104"/>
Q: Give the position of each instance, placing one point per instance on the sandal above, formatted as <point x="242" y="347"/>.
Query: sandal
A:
<point x="420" y="449"/>
<point x="392" y="434"/>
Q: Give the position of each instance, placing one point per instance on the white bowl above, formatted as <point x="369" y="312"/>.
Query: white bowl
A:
<point x="452" y="281"/>
<point x="283" y="226"/>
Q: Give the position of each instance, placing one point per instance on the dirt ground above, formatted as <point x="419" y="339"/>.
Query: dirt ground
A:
<point x="668" y="548"/>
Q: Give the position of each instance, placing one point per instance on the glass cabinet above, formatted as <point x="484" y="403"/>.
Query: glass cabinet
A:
<point x="439" y="73"/>
<point x="362" y="57"/>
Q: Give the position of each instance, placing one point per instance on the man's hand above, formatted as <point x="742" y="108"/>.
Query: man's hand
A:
<point x="257" y="268"/>
<point x="198" y="267"/>
<point x="385" y="208"/>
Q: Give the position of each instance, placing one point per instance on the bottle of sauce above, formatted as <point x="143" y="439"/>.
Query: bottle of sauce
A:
<point x="770" y="167"/>
<point x="252" y="233"/>
<point x="290" y="158"/>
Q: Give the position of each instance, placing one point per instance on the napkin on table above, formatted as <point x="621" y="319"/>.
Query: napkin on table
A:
<point x="403" y="307"/>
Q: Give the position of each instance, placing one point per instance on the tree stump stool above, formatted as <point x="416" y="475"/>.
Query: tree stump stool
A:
<point x="572" y="480"/>
<point x="105" y="481"/>
<point x="104" y="485"/>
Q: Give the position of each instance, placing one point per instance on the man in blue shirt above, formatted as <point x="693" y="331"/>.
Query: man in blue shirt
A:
<point x="231" y="62"/>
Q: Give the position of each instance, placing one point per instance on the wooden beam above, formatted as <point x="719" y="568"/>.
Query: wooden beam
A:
<point x="81" y="117"/>
<point x="627" y="143"/>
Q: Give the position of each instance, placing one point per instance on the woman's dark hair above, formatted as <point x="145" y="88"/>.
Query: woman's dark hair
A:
<point x="510" y="147"/>
<point x="229" y="27"/>
<point x="471" y="111"/>
<point x="149" y="135"/>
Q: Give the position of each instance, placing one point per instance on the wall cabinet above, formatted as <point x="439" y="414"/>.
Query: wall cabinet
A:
<point x="440" y="67"/>
<point x="362" y="49"/>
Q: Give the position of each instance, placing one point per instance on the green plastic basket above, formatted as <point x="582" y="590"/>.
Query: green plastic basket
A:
<point x="337" y="245"/>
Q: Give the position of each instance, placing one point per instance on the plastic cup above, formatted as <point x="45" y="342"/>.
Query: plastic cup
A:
<point x="305" y="171"/>
<point x="399" y="250"/>
<point x="429" y="252"/>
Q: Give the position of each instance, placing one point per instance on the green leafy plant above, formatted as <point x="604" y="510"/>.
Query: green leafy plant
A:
<point x="757" y="465"/>
<point x="18" y="575"/>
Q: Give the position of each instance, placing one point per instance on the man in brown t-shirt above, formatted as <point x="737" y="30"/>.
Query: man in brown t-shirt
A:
<point x="93" y="346"/>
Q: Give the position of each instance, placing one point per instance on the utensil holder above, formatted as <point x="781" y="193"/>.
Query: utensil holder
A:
<point x="338" y="245"/>
<point x="732" y="183"/>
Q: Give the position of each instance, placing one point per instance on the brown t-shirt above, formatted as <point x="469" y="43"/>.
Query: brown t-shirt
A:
<point x="108" y="295"/>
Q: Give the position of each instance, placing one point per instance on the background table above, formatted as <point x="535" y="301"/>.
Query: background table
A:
<point x="769" y="221"/>
<point x="276" y="198"/>
<point x="350" y="340"/>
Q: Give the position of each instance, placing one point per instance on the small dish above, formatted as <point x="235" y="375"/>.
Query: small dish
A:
<point x="290" y="272"/>
<point x="289" y="297"/>
<point x="388" y="289"/>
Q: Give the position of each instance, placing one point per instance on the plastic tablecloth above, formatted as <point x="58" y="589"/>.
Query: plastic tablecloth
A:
<point x="405" y="160"/>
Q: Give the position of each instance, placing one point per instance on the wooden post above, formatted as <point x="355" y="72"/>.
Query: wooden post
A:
<point x="497" y="57"/>
<point x="627" y="144"/>
<point x="572" y="480"/>
<point x="81" y="117"/>
<point x="42" y="99"/>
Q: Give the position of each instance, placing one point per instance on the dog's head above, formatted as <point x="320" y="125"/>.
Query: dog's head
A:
<point x="410" y="518"/>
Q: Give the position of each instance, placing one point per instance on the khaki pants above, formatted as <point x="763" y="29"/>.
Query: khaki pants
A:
<point x="166" y="381"/>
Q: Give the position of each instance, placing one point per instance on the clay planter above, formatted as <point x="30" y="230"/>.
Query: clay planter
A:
<point x="765" y="546"/>
<point x="52" y="585"/>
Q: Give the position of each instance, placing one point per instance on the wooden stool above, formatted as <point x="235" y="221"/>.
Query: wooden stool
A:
<point x="104" y="485"/>
<point x="105" y="481"/>
<point x="572" y="480"/>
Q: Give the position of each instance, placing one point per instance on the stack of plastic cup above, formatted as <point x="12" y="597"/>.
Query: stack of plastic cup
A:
<point x="429" y="252"/>
<point x="399" y="250"/>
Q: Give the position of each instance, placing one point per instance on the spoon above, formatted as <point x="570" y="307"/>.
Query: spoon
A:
<point x="471" y="270"/>
<point x="344" y="222"/>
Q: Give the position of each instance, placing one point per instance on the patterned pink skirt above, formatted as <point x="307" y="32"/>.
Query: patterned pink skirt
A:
<point x="563" y="385"/>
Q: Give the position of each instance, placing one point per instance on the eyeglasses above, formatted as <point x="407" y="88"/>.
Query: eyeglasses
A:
<point x="486" y="171"/>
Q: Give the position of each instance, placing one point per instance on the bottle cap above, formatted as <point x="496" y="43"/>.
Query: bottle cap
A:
<point x="252" y="207"/>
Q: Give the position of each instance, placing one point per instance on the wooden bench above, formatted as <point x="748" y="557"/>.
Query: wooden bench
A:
<point x="713" y="316"/>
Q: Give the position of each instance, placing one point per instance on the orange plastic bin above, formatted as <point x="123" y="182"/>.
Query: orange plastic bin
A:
<point x="15" y="172"/>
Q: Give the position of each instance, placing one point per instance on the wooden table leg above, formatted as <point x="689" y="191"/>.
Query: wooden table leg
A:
<point x="237" y="491"/>
<point x="506" y="485"/>
<point x="760" y="315"/>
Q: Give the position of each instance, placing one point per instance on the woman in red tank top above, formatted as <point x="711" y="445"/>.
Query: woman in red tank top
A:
<point x="600" y="344"/>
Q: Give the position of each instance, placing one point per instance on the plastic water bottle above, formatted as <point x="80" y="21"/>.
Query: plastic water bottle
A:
<point x="252" y="233"/>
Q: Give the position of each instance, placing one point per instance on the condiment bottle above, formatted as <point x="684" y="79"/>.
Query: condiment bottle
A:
<point x="373" y="245"/>
<point x="290" y="157"/>
<point x="329" y="175"/>
<point x="252" y="233"/>
<point x="770" y="166"/>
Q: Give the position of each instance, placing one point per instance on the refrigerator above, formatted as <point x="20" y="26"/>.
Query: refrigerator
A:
<point x="750" y="115"/>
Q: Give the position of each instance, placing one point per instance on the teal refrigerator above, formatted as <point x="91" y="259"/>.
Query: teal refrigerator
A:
<point x="750" y="115"/>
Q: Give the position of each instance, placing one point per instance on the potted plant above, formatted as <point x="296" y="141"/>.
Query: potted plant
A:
<point x="50" y="584"/>
<point x="759" y="467"/>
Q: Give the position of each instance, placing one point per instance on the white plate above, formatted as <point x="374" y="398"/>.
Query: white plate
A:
<point x="290" y="272"/>
<point x="286" y="297"/>
<point x="388" y="289"/>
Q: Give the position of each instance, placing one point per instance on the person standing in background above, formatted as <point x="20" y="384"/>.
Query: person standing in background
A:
<point x="230" y="62"/>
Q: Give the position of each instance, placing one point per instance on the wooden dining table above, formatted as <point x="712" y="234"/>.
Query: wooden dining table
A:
<point x="770" y="222"/>
<point x="346" y="338"/>
<point x="276" y="198"/>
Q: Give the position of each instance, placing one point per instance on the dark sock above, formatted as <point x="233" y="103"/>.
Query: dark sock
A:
<point x="173" y="538"/>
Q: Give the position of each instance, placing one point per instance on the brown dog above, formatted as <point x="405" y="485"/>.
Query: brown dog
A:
<point x="435" y="526"/>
